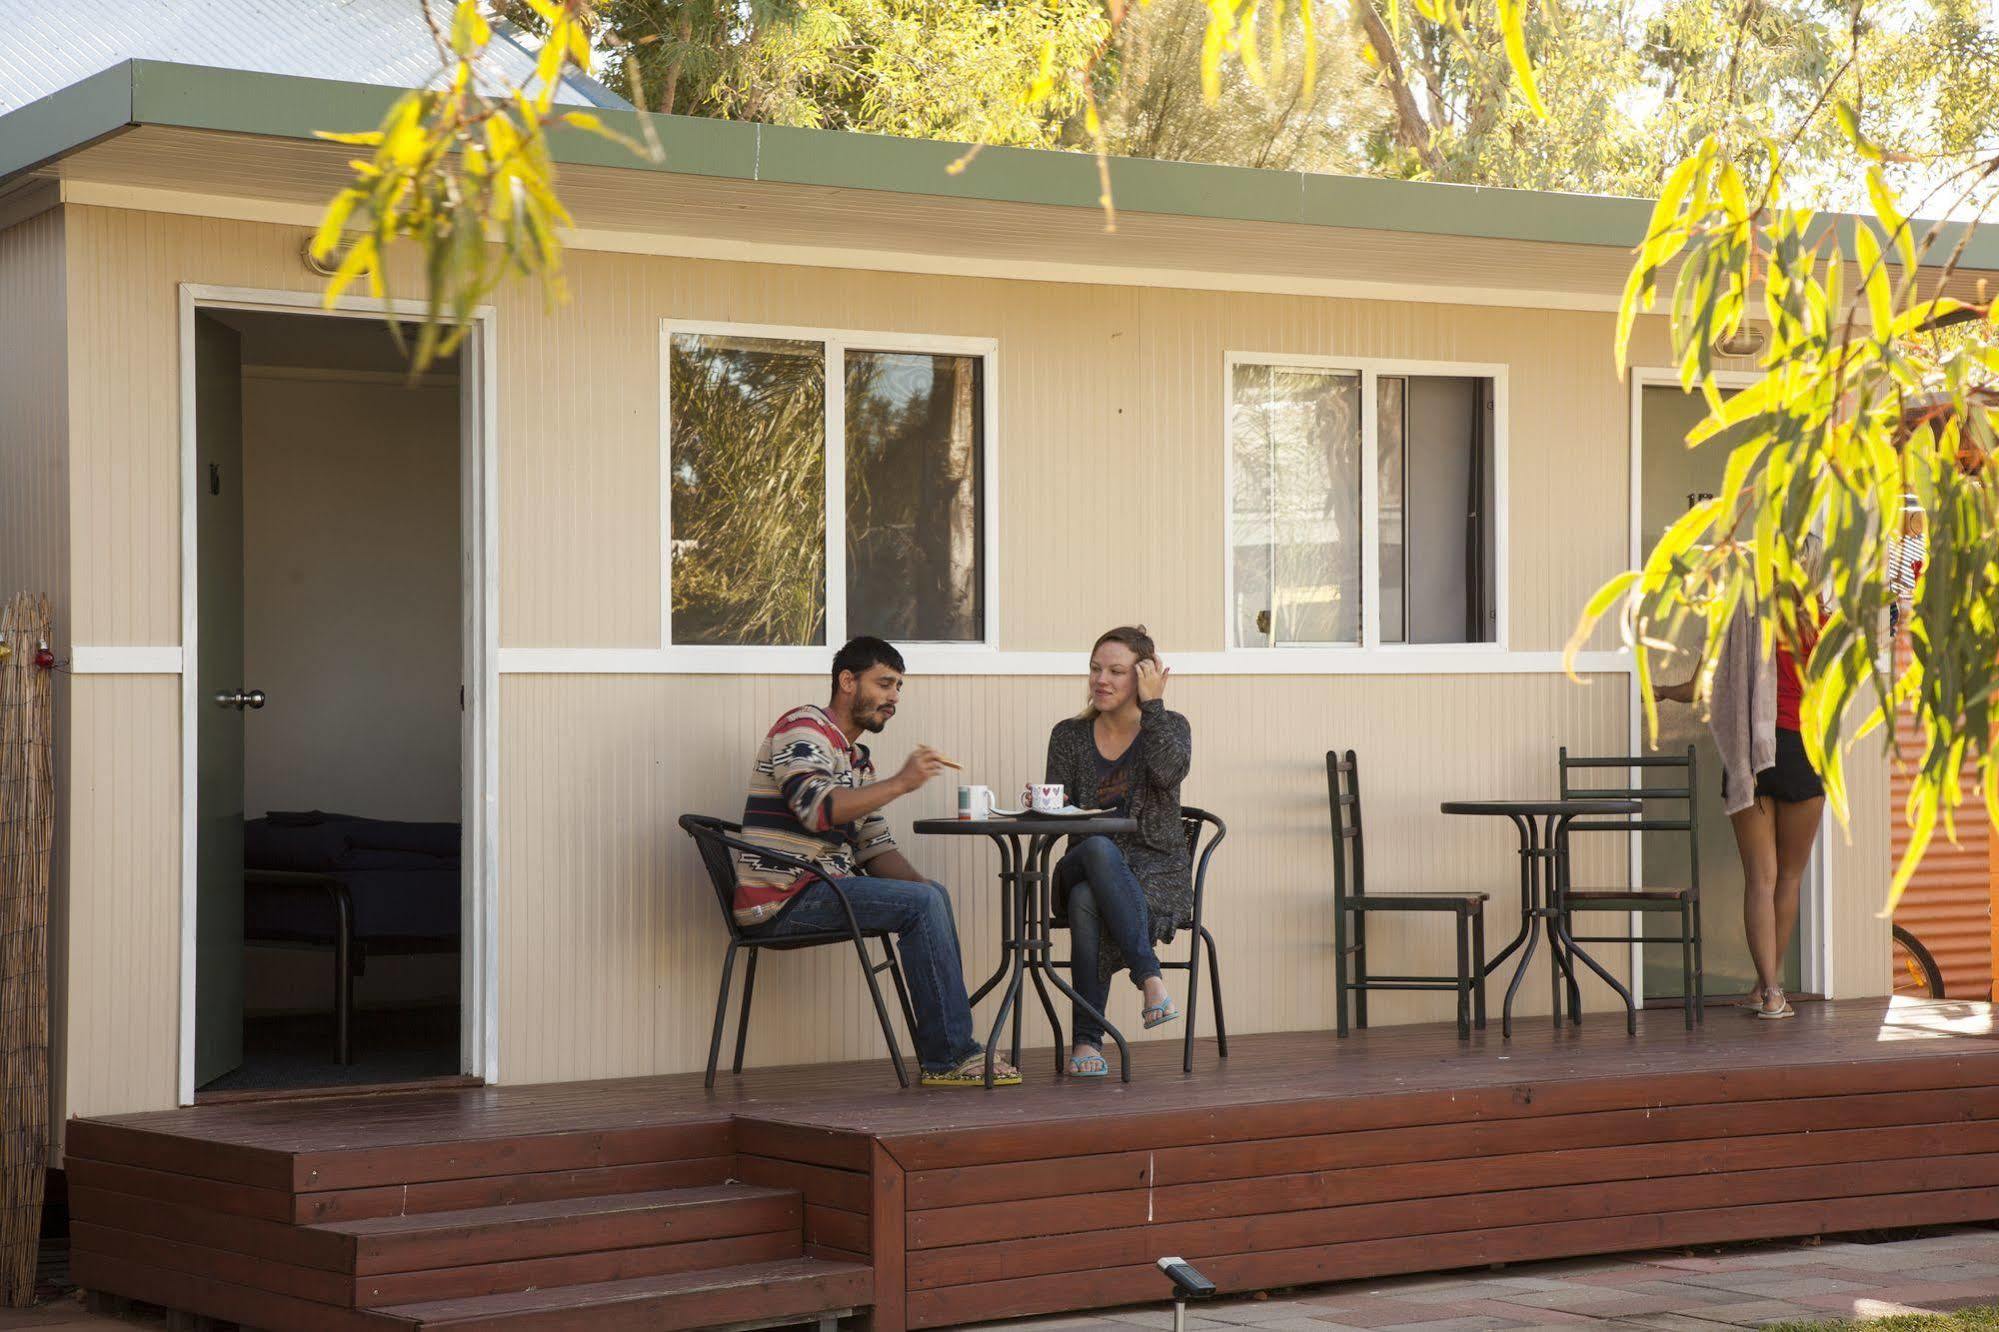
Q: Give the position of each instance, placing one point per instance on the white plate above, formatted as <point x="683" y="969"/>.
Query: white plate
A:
<point x="1066" y="812"/>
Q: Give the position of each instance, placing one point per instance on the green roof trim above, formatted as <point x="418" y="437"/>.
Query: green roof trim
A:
<point x="149" y="92"/>
<point x="64" y="121"/>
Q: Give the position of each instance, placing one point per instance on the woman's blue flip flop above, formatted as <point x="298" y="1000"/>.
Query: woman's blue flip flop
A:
<point x="1089" y="1066"/>
<point x="1158" y="1015"/>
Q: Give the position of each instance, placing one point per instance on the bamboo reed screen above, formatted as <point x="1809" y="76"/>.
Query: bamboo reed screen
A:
<point x="27" y="828"/>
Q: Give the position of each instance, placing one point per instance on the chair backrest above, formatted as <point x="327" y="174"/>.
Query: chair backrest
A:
<point x="1199" y="823"/>
<point x="1609" y="777"/>
<point x="1349" y="857"/>
<point x="717" y="859"/>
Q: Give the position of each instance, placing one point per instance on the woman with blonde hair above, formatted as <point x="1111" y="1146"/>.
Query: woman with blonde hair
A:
<point x="1122" y="894"/>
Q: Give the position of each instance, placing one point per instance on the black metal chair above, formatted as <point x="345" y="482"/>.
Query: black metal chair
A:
<point x="1351" y="899"/>
<point x="1197" y="822"/>
<point x="718" y="841"/>
<point x="1649" y="901"/>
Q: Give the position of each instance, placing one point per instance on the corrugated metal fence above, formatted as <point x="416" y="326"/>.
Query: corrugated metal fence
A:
<point x="1948" y="905"/>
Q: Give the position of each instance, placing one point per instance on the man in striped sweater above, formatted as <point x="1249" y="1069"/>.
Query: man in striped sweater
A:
<point x="813" y="796"/>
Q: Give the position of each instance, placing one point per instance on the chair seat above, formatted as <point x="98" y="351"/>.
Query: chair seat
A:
<point x="1639" y="896"/>
<point x="784" y="943"/>
<point x="1415" y="901"/>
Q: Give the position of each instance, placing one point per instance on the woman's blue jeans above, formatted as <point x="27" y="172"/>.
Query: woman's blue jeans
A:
<point x="926" y="937"/>
<point x="1105" y="900"/>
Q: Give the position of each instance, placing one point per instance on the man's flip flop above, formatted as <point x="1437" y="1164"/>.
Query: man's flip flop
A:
<point x="1089" y="1066"/>
<point x="1158" y="1015"/>
<point x="972" y="1073"/>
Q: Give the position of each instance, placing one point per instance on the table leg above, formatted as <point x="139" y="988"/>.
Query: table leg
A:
<point x="1530" y="923"/>
<point x="1009" y="854"/>
<point x="1526" y="897"/>
<point x="1043" y="913"/>
<point x="1558" y="923"/>
<point x="1013" y="946"/>
<point x="1007" y="1001"/>
<point x="1559" y="929"/>
<point x="1025" y="897"/>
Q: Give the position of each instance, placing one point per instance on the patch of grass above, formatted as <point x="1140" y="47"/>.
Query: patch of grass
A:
<point x="1979" y="1318"/>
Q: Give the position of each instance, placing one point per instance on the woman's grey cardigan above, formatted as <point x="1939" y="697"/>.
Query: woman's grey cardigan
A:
<point x="1157" y="852"/>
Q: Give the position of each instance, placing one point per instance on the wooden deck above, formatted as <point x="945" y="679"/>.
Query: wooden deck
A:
<point x="651" y="1203"/>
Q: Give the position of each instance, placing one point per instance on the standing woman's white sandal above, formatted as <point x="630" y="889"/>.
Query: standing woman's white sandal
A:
<point x="1782" y="1010"/>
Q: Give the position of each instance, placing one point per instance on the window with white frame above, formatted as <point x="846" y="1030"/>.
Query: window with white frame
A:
<point x="825" y="486"/>
<point x="1358" y="485"/>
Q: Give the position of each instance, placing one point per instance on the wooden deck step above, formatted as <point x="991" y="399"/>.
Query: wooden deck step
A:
<point x="515" y="1232"/>
<point x="796" y="1288"/>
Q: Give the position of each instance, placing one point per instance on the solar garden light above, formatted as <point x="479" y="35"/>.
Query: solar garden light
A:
<point x="1187" y="1285"/>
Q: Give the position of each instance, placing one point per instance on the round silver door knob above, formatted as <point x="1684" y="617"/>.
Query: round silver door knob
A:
<point x="240" y="699"/>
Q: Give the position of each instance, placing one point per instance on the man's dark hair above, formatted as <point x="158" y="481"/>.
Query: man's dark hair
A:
<point x="862" y="655"/>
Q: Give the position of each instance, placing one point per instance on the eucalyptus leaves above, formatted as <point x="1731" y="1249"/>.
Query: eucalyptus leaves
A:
<point x="454" y="167"/>
<point x="1869" y="429"/>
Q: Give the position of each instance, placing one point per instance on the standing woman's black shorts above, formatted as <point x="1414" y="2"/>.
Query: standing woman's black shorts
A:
<point x="1791" y="780"/>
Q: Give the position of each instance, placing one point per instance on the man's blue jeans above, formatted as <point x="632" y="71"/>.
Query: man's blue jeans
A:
<point x="1104" y="898"/>
<point x="926" y="936"/>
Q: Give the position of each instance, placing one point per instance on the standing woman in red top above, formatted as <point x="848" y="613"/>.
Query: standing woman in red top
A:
<point x="1773" y="796"/>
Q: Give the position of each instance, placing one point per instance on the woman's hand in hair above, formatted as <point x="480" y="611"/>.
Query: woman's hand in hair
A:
<point x="1152" y="679"/>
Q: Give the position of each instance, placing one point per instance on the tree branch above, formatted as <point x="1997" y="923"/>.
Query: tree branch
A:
<point x="1411" y="128"/>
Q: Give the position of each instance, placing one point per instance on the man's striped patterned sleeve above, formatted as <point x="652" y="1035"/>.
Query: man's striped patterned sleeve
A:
<point x="872" y="838"/>
<point x="802" y="760"/>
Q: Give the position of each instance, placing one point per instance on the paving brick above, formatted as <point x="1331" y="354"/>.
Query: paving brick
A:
<point x="1777" y="1284"/>
<point x="1447" y="1292"/>
<point x="1158" y="1318"/>
<point x="1748" y="1260"/>
<point x="1624" y="1274"/>
<point x="1365" y="1310"/>
<point x="1569" y="1267"/>
<point x="1751" y="1312"/>
<point x="1483" y="1288"/>
<point x="1689" y="1295"/>
<point x="1962" y="1302"/>
<point x="1661" y="1290"/>
<point x="1954" y="1271"/>
<point x="1595" y="1301"/>
<point x="1502" y="1309"/>
<point x="1458" y="1325"/>
<point x="1255" y="1313"/>
<point x="1671" y="1322"/>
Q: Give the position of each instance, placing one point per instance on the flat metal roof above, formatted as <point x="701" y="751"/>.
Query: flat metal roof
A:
<point x="139" y="93"/>
<point x="44" y="48"/>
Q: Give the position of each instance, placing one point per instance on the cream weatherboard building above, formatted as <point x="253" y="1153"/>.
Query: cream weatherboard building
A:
<point x="1356" y="451"/>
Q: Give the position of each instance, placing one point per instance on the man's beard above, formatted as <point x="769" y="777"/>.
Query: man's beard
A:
<point x="873" y="722"/>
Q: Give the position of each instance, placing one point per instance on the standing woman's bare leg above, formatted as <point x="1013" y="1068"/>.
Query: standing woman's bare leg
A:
<point x="1797" y="829"/>
<point x="1756" y="843"/>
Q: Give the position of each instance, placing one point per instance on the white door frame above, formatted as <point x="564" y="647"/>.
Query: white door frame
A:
<point x="479" y="602"/>
<point x="1814" y="939"/>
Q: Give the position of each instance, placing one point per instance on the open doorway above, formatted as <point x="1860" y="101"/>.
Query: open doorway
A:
<point x="1668" y="479"/>
<point x="331" y="873"/>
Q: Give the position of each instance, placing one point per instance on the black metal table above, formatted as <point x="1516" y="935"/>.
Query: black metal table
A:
<point x="1542" y="846"/>
<point x="1025" y="844"/>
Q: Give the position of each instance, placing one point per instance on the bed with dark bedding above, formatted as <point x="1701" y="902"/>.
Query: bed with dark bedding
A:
<point x="355" y="885"/>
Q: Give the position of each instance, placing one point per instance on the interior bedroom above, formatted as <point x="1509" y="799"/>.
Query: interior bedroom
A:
<point x="347" y="944"/>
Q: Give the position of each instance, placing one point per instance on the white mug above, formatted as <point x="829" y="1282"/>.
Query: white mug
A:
<point x="975" y="802"/>
<point x="1047" y="799"/>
